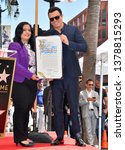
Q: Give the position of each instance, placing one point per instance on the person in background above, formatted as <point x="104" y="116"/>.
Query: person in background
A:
<point x="25" y="81"/>
<point x="40" y="31"/>
<point x="106" y="117"/>
<point x="9" y="125"/>
<point x="72" y="41"/>
<point x="48" y="108"/>
<point x="104" y="107"/>
<point x="66" y="116"/>
<point x="40" y="107"/>
<point x="89" y="103"/>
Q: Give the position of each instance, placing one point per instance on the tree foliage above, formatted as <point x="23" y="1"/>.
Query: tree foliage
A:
<point x="8" y="5"/>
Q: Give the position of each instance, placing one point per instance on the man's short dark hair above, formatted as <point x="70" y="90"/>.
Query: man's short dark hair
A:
<point x="97" y="78"/>
<point x="88" y="80"/>
<point x="52" y="9"/>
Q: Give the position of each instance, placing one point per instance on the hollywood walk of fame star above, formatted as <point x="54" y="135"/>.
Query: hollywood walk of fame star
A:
<point x="3" y="76"/>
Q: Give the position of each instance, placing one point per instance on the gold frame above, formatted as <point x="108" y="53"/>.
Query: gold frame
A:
<point x="10" y="91"/>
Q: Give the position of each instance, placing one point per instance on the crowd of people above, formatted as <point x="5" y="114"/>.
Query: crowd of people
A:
<point x="57" y="104"/>
<point x="89" y="118"/>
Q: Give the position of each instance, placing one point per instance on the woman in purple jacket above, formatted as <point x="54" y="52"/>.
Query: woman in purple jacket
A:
<point x="25" y="81"/>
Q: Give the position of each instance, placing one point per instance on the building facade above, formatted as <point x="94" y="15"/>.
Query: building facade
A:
<point x="80" y="21"/>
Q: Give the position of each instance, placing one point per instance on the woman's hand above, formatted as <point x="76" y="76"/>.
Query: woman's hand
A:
<point x="35" y="77"/>
<point x="49" y="79"/>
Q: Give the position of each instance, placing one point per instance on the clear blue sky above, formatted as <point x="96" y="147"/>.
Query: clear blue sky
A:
<point x="27" y="12"/>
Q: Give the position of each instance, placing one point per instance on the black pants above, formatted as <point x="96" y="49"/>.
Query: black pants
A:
<point x="23" y="96"/>
<point x="68" y="85"/>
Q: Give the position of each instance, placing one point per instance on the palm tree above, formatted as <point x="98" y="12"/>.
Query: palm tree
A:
<point x="91" y="36"/>
<point x="8" y="4"/>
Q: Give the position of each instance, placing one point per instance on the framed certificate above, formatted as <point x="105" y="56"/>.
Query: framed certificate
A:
<point x="49" y="56"/>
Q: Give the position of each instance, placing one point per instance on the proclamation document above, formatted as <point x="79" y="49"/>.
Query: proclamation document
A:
<point x="49" y="56"/>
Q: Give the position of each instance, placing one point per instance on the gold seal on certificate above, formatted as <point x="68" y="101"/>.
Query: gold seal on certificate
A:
<point x="49" y="56"/>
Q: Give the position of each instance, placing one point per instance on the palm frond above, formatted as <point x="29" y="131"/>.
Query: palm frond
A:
<point x="5" y="1"/>
<point x="9" y="7"/>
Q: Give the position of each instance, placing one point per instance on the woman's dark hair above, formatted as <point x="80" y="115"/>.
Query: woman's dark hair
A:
<point x="19" y="31"/>
<point x="52" y="9"/>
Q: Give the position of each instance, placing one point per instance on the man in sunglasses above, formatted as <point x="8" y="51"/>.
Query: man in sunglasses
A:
<point x="72" y="41"/>
<point x="89" y="103"/>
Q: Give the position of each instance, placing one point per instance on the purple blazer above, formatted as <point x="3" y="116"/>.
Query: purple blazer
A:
<point x="22" y="61"/>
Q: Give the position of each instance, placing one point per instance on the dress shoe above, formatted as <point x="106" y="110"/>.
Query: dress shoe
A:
<point x="79" y="141"/>
<point x="25" y="144"/>
<point x="57" y="141"/>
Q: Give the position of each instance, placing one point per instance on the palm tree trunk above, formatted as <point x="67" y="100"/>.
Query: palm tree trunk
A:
<point x="91" y="36"/>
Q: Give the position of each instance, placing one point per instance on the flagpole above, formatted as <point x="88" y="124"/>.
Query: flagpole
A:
<point x="35" y="102"/>
<point x="36" y="18"/>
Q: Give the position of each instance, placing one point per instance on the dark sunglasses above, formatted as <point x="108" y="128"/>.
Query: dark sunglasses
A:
<point x="56" y="18"/>
<point x="90" y="84"/>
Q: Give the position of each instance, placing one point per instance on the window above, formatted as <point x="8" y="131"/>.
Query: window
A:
<point x="103" y="34"/>
<point x="83" y="18"/>
<point x="83" y="27"/>
<point x="78" y="22"/>
<point x="104" y="17"/>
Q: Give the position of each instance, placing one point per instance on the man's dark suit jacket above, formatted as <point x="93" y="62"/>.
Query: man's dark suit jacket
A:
<point x="76" y="43"/>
